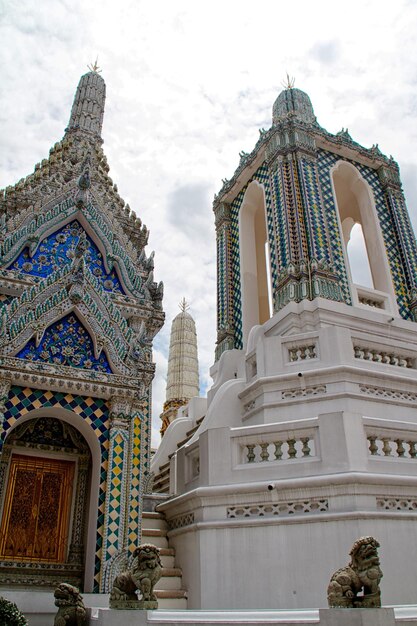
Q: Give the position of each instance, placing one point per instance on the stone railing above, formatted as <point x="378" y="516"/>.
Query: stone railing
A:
<point x="280" y="444"/>
<point x="384" y="356"/>
<point x="373" y="298"/>
<point x="302" y="353"/>
<point x="393" y="446"/>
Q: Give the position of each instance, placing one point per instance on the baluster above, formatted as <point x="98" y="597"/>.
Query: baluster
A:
<point x="264" y="452"/>
<point x="400" y="447"/>
<point x="373" y="448"/>
<point x="386" y="448"/>
<point x="251" y="455"/>
<point x="306" y="448"/>
<point x="412" y="451"/>
<point x="292" y="452"/>
<point x="278" y="449"/>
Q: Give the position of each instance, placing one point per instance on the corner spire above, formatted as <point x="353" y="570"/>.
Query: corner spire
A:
<point x="88" y="108"/>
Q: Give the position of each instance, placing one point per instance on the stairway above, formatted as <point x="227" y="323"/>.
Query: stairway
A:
<point x="161" y="480"/>
<point x="169" y="589"/>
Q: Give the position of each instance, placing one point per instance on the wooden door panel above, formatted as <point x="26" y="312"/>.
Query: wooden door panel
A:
<point x="36" y="511"/>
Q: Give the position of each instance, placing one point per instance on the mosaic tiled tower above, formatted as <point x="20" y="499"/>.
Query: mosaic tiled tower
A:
<point x="309" y="440"/>
<point x="182" y="377"/>
<point x="79" y="310"/>
<point x="292" y="170"/>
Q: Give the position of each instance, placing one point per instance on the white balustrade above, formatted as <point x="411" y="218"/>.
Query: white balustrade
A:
<point x="383" y="445"/>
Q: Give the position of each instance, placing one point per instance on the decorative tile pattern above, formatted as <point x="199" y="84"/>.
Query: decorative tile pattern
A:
<point x="326" y="160"/>
<point x="314" y="215"/>
<point x="95" y="413"/>
<point x="135" y="484"/>
<point x="262" y="176"/>
<point x="66" y="343"/>
<point x="115" y="506"/>
<point x="389" y="231"/>
<point x="58" y="249"/>
<point x="280" y="217"/>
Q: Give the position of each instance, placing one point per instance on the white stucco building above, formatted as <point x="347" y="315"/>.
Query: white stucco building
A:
<point x="310" y="433"/>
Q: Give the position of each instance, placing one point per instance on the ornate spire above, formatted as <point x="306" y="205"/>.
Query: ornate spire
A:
<point x="88" y="107"/>
<point x="182" y="379"/>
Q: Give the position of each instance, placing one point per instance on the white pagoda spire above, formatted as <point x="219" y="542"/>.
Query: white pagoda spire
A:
<point x="182" y="378"/>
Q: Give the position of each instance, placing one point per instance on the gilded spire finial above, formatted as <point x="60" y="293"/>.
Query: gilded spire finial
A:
<point x="289" y="83"/>
<point x="93" y="67"/>
<point x="183" y="305"/>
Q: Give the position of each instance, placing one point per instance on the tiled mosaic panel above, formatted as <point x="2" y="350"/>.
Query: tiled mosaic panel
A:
<point x="326" y="161"/>
<point x="58" y="249"/>
<point x="95" y="413"/>
<point x="66" y="342"/>
<point x="115" y="504"/>
<point x="317" y="230"/>
<point x="134" y="478"/>
<point x="146" y="433"/>
<point x="400" y="213"/>
<point x="280" y="217"/>
<point x="262" y="176"/>
<point x="222" y="308"/>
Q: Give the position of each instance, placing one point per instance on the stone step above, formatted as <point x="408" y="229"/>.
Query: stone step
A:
<point x="171" y="598"/>
<point x="176" y="604"/>
<point x="167" y="561"/>
<point x="169" y="588"/>
<point x="169" y="583"/>
<point x="155" y="536"/>
<point x="154" y="520"/>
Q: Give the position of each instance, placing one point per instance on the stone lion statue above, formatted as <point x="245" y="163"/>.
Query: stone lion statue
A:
<point x="363" y="574"/>
<point x="145" y="572"/>
<point x="71" y="609"/>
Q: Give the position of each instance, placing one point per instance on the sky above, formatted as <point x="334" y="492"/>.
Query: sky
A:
<point x="189" y="84"/>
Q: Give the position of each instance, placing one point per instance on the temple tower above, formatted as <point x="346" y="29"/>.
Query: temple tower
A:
<point x="284" y="220"/>
<point x="79" y="310"/>
<point x="310" y="436"/>
<point x="182" y="377"/>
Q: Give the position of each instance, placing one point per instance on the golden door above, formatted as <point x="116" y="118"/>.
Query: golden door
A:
<point x="36" y="510"/>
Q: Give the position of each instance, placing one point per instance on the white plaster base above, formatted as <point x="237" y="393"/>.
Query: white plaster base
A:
<point x="357" y="617"/>
<point x="324" y="617"/>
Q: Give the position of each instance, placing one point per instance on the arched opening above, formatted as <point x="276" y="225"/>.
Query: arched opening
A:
<point x="255" y="273"/>
<point x="364" y="248"/>
<point x="358" y="256"/>
<point x="48" y="498"/>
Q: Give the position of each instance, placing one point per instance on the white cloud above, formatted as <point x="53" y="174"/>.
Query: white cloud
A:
<point x="188" y="86"/>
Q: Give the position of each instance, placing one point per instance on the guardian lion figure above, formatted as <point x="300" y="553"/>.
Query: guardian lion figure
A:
<point x="363" y="574"/>
<point x="145" y="572"/>
<point x="71" y="609"/>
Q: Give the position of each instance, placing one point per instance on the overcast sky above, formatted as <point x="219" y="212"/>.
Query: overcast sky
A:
<point x="189" y="83"/>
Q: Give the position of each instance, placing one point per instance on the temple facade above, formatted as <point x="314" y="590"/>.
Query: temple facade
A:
<point x="79" y="310"/>
<point x="309" y="439"/>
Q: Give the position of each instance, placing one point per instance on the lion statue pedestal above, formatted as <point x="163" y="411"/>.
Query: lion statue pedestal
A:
<point x="145" y="572"/>
<point x="363" y="574"/>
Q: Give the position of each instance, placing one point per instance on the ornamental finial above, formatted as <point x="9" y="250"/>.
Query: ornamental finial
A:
<point x="93" y="67"/>
<point x="183" y="305"/>
<point x="289" y="83"/>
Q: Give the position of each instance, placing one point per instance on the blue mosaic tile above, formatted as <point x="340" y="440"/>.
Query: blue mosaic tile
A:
<point x="66" y="342"/>
<point x="58" y="249"/>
